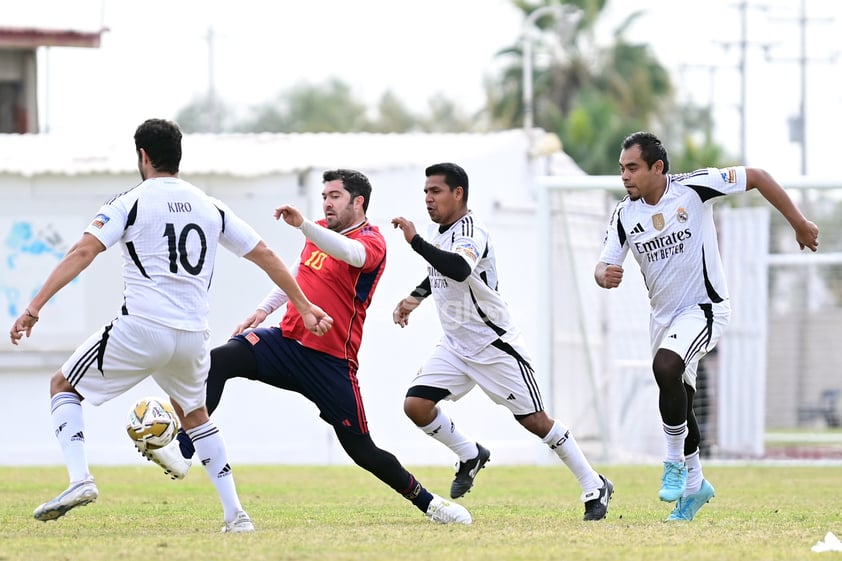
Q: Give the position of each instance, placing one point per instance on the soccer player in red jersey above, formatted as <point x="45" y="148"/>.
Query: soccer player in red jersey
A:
<point x="341" y="263"/>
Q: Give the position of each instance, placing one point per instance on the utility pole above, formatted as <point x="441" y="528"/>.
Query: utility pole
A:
<point x="798" y="124"/>
<point x="743" y="45"/>
<point x="213" y="110"/>
<point x="567" y="16"/>
<point x="798" y="133"/>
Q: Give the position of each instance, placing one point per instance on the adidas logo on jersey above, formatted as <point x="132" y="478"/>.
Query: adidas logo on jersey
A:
<point x="637" y="230"/>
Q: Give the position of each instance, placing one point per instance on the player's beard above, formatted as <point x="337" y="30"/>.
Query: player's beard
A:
<point x="341" y="218"/>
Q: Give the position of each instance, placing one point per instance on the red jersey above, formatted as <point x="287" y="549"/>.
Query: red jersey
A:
<point x="341" y="290"/>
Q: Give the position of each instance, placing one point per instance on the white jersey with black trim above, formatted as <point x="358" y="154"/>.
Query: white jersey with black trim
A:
<point x="169" y="231"/>
<point x="472" y="313"/>
<point x="675" y="241"/>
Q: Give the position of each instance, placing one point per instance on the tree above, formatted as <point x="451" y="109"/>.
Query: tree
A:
<point x="393" y="115"/>
<point x="205" y="114"/>
<point x="446" y="116"/>
<point x="594" y="96"/>
<point x="330" y="107"/>
<point x="327" y="107"/>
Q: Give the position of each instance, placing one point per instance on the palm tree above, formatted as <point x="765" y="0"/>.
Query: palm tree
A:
<point x="592" y="96"/>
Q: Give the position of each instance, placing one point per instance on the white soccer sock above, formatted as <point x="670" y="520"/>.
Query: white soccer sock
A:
<point x="69" y="428"/>
<point x="694" y="473"/>
<point x="675" y="442"/>
<point x="211" y="450"/>
<point x="565" y="446"/>
<point x="444" y="430"/>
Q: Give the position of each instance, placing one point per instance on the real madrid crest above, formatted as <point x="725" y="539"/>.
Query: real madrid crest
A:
<point x="658" y="221"/>
<point x="681" y="215"/>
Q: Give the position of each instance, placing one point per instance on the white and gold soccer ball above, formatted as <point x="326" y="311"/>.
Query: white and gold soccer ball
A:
<point x="152" y="423"/>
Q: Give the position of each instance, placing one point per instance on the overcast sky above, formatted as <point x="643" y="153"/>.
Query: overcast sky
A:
<point x="155" y="59"/>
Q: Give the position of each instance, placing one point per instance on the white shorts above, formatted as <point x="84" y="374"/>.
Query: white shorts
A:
<point x="502" y="370"/>
<point x="692" y="334"/>
<point x="130" y="349"/>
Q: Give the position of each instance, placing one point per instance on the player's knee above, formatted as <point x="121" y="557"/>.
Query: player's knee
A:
<point x="421" y="411"/>
<point x="668" y="368"/>
<point x="539" y="423"/>
<point x="359" y="447"/>
<point x="231" y="360"/>
<point x="59" y="384"/>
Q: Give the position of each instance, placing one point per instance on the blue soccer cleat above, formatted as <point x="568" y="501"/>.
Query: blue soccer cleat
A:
<point x="674" y="481"/>
<point x="687" y="507"/>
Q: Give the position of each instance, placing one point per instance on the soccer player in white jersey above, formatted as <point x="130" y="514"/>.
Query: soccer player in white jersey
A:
<point x="169" y="232"/>
<point x="666" y="222"/>
<point x="481" y="346"/>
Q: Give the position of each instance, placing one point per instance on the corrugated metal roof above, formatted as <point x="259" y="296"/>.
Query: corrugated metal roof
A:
<point x="251" y="155"/>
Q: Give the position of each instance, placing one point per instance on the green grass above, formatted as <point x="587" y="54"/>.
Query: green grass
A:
<point x="343" y="513"/>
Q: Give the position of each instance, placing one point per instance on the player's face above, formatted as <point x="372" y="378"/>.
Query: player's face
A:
<point x="340" y="211"/>
<point x="443" y="204"/>
<point x="638" y="178"/>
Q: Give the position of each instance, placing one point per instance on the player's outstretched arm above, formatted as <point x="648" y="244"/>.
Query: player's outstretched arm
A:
<point x="254" y="320"/>
<point x="74" y="262"/>
<point x="315" y="319"/>
<point x="806" y="232"/>
<point x="449" y="263"/>
<point x="333" y="243"/>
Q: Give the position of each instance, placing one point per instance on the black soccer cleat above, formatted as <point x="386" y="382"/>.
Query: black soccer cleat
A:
<point x="596" y="502"/>
<point x="467" y="472"/>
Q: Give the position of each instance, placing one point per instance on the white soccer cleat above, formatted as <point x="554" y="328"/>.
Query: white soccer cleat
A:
<point x="169" y="457"/>
<point x="447" y="512"/>
<point x="78" y="494"/>
<point x="240" y="525"/>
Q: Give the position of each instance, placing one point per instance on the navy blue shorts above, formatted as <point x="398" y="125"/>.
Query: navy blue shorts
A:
<point x="329" y="382"/>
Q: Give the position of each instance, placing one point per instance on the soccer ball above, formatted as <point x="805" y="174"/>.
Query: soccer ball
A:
<point x="152" y="423"/>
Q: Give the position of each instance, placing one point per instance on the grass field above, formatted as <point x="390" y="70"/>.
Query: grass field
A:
<point x="343" y="513"/>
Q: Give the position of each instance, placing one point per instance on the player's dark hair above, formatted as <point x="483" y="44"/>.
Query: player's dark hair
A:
<point x="354" y="182"/>
<point x="161" y="140"/>
<point x="454" y="176"/>
<point x="651" y="149"/>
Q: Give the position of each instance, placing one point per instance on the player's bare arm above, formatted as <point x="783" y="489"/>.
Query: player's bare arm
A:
<point x="315" y="319"/>
<point x="406" y="226"/>
<point x="290" y="215"/>
<point x="74" y="262"/>
<point x="806" y="232"/>
<point x="254" y="320"/>
<point x="401" y="313"/>
<point x="608" y="276"/>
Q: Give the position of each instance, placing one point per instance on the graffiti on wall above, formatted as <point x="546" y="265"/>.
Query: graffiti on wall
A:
<point x="30" y="249"/>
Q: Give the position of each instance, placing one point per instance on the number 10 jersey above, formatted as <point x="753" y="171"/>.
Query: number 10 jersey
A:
<point x="169" y="232"/>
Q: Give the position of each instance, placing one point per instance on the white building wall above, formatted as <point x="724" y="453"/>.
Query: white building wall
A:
<point x="262" y="424"/>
